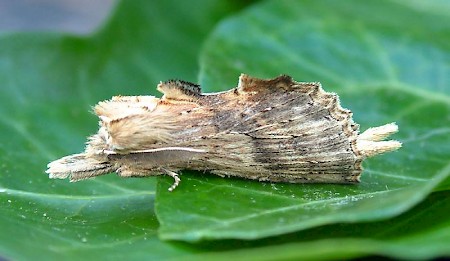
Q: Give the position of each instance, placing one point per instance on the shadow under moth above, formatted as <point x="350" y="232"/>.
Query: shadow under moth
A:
<point x="275" y="130"/>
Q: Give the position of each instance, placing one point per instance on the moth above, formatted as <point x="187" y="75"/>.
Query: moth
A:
<point x="275" y="130"/>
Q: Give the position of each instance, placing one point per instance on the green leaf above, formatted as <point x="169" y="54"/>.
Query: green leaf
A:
<point x="48" y="83"/>
<point x="384" y="70"/>
<point x="422" y="233"/>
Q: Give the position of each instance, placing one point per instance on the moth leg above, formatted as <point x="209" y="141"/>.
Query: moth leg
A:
<point x="174" y="176"/>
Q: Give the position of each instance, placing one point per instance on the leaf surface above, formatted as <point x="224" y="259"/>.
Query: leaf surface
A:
<point x="421" y="233"/>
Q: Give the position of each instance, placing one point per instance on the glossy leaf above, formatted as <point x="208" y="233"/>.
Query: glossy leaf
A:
<point x="422" y="233"/>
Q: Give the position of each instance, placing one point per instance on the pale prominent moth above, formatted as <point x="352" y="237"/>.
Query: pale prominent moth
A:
<point x="274" y="130"/>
